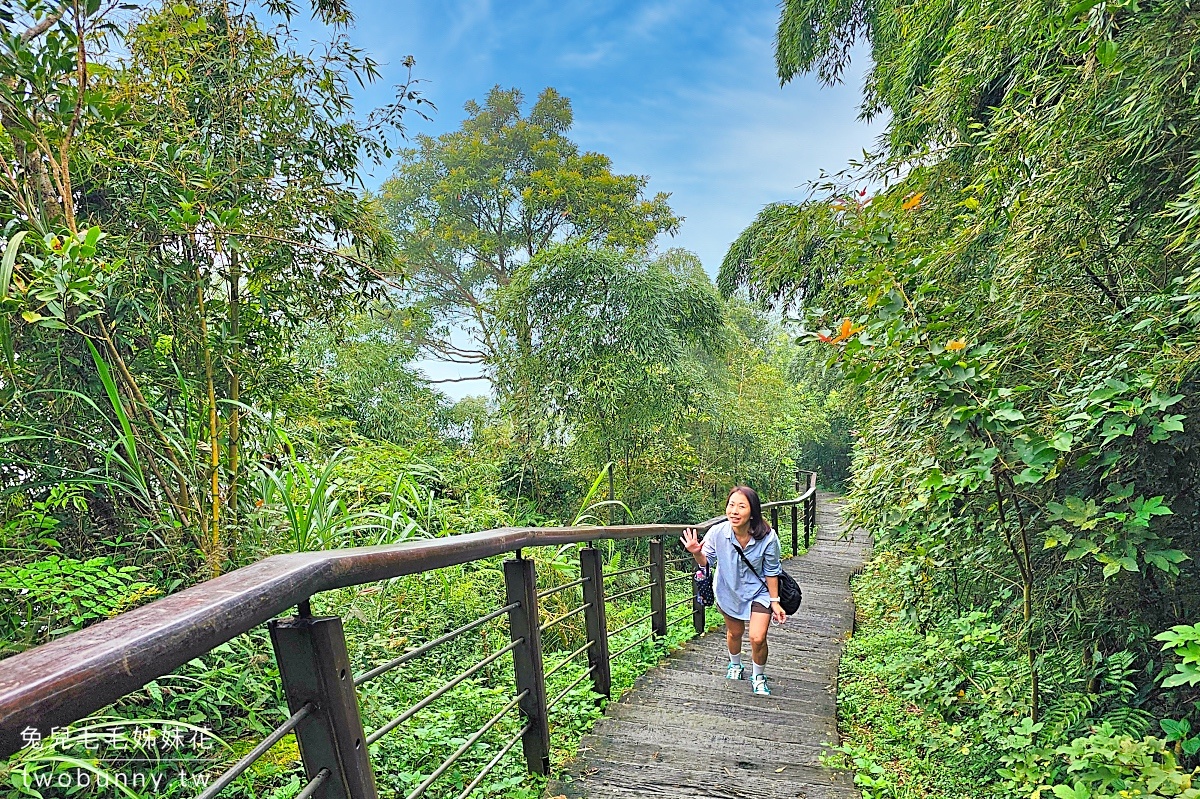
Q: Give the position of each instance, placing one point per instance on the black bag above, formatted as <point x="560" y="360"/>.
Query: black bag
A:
<point x="704" y="596"/>
<point x="789" y="589"/>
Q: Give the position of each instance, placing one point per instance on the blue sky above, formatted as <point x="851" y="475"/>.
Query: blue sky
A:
<point x="682" y="91"/>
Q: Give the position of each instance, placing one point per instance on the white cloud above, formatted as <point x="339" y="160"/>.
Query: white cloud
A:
<point x="653" y="16"/>
<point x="587" y="58"/>
<point x="471" y="18"/>
<point x="684" y="91"/>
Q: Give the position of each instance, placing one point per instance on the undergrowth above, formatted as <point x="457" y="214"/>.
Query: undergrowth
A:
<point x="180" y="731"/>
<point x="944" y="712"/>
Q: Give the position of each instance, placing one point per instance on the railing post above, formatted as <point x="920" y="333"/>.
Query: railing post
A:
<point x="699" y="614"/>
<point x="810" y="518"/>
<point x="775" y="520"/>
<point x="315" y="669"/>
<point x="658" y="587"/>
<point x="591" y="568"/>
<point x="520" y="581"/>
<point x="795" y="539"/>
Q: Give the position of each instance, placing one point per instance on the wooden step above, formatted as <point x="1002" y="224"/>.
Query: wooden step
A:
<point x="684" y="730"/>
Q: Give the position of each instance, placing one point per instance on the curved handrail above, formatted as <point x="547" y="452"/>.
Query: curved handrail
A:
<point x="68" y="678"/>
<point x="787" y="503"/>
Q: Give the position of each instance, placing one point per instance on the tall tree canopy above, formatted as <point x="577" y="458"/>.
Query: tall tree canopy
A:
<point x="472" y="206"/>
<point x="615" y="365"/>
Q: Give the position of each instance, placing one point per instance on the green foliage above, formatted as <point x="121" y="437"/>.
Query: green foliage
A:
<point x="1184" y="641"/>
<point x="205" y="361"/>
<point x="54" y="595"/>
<point x="1101" y="764"/>
<point x="360" y="370"/>
<point x="934" y="713"/>
<point x="898" y="746"/>
<point x="612" y="370"/>
<point x="1179" y="734"/>
<point x="1008" y="283"/>
<point x="179" y="196"/>
<point x="472" y="206"/>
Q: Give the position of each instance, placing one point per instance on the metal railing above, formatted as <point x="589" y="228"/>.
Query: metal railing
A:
<point x="805" y="504"/>
<point x="69" y="678"/>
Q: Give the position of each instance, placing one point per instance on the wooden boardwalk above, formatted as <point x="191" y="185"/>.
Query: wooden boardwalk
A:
<point x="684" y="730"/>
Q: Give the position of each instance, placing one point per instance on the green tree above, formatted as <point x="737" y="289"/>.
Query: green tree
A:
<point x="362" y="373"/>
<point x="471" y="207"/>
<point x="1018" y="304"/>
<point x="614" y="373"/>
<point x="205" y="208"/>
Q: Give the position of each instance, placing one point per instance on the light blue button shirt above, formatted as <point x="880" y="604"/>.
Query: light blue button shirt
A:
<point x="734" y="585"/>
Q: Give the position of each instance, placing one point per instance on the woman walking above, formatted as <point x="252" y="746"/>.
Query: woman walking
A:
<point x="746" y="553"/>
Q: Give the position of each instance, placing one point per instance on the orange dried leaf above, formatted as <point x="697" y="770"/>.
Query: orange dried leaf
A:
<point x="846" y="330"/>
<point x="913" y="202"/>
<point x="956" y="345"/>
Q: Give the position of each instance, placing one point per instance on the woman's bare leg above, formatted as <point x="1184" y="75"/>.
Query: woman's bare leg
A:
<point x="734" y="630"/>
<point x="759" y="624"/>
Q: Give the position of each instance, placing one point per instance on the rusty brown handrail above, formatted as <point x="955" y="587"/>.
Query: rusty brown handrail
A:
<point x="787" y="503"/>
<point x="68" y="678"/>
<point x="810" y="481"/>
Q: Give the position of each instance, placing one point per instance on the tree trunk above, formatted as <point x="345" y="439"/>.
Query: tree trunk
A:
<point x="235" y="387"/>
<point x="1025" y="570"/>
<point x="213" y="544"/>
<point x="612" y="494"/>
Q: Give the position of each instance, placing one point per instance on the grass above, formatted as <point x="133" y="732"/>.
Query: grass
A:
<point x="896" y="748"/>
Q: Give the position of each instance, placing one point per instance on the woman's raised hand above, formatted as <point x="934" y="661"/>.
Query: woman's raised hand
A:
<point x="690" y="541"/>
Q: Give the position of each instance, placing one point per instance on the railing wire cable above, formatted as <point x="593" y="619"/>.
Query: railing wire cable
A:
<point x="568" y="659"/>
<point x="633" y="590"/>
<point x="424" y="703"/>
<point x="467" y="744"/>
<point x="567" y="690"/>
<point x="676" y="620"/>
<point x="314" y="785"/>
<point x="564" y="587"/>
<point x="425" y="647"/>
<point x="674" y="605"/>
<point x="631" y="646"/>
<point x="235" y="771"/>
<point x="630" y="570"/>
<point x="564" y="617"/>
<point x="493" y="762"/>
<point x="687" y="576"/>
<point x="633" y="623"/>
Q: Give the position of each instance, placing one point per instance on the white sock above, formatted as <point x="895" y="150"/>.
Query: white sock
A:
<point x="757" y="670"/>
<point x="735" y="659"/>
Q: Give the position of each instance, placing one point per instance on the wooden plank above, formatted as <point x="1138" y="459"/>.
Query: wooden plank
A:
<point x="684" y="730"/>
<point x="605" y="778"/>
<point x="629" y="739"/>
<point x="676" y="690"/>
<point x="672" y="724"/>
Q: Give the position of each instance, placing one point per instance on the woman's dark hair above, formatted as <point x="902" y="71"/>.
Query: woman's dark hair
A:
<point x="758" y="525"/>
